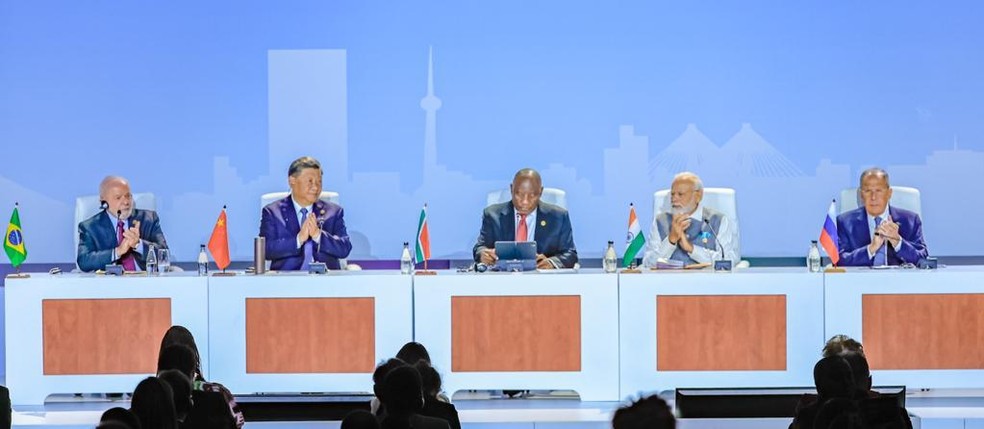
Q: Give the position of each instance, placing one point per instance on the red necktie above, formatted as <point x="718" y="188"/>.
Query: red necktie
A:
<point x="127" y="260"/>
<point x="522" y="233"/>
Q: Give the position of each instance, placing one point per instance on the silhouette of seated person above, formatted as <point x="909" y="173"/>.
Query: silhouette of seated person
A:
<point x="839" y="413"/>
<point x="179" y="335"/>
<point x="413" y="352"/>
<point x="833" y="378"/>
<point x="153" y="404"/>
<point x="208" y="409"/>
<point x="402" y="395"/>
<point x="360" y="419"/>
<point x="376" y="406"/>
<point x="650" y="412"/>
<point x="434" y="405"/>
<point x="181" y="390"/>
<point x="118" y="417"/>
<point x="877" y="410"/>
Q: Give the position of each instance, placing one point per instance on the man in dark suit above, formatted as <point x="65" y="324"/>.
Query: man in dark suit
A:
<point x="878" y="234"/>
<point x="301" y="228"/>
<point x="120" y="234"/>
<point x="525" y="218"/>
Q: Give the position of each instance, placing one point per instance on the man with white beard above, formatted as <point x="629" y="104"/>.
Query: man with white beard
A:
<point x="690" y="232"/>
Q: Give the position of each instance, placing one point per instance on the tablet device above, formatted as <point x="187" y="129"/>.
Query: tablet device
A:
<point x="515" y="255"/>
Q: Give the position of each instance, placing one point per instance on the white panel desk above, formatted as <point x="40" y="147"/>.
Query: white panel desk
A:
<point x="722" y="328"/>
<point x="522" y="330"/>
<point x="87" y="333"/>
<point x="311" y="333"/>
<point x="920" y="328"/>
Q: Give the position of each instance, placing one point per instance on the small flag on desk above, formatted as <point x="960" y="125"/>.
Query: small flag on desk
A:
<point x="635" y="241"/>
<point x="828" y="235"/>
<point x="218" y="243"/>
<point x="13" y="241"/>
<point x="423" y="246"/>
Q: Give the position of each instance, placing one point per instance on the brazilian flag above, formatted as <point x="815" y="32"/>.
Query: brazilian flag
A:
<point x="13" y="241"/>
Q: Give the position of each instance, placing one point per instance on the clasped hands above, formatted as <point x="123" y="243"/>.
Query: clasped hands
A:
<point x="888" y="231"/>
<point x="131" y="239"/>
<point x="309" y="229"/>
<point x="678" y="232"/>
<point x="488" y="257"/>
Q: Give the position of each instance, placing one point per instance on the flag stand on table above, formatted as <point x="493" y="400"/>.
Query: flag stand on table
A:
<point x="422" y="248"/>
<point x="828" y="239"/>
<point x="13" y="245"/>
<point x="634" y="243"/>
<point x="218" y="244"/>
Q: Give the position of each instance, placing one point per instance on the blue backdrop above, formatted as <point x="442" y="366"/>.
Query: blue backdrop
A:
<point x="205" y="103"/>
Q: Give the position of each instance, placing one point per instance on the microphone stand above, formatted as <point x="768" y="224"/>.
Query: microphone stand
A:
<point x="721" y="264"/>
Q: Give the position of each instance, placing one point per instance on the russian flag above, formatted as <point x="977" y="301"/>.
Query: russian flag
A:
<point x="828" y="235"/>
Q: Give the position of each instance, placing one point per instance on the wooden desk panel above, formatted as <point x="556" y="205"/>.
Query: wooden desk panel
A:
<point x="923" y="331"/>
<point x="310" y="335"/>
<point x="103" y="336"/>
<point x="721" y="332"/>
<point x="515" y="333"/>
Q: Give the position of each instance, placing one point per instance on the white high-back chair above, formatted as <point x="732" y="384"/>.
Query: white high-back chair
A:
<point x="87" y="206"/>
<point x="903" y="197"/>
<point x="327" y="196"/>
<point x="553" y="196"/>
<point x="720" y="199"/>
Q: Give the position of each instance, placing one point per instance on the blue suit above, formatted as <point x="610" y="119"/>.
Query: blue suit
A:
<point x="279" y="225"/>
<point x="97" y="239"/>
<point x="853" y="238"/>
<point x="553" y="235"/>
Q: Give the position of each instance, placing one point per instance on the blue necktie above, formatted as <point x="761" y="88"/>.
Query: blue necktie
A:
<point x="881" y="256"/>
<point x="308" y="245"/>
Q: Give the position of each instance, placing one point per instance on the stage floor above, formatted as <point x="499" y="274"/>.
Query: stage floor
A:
<point x="936" y="409"/>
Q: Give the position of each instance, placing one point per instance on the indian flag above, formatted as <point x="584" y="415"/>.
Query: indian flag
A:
<point x="635" y="241"/>
<point x="13" y="240"/>
<point x="423" y="246"/>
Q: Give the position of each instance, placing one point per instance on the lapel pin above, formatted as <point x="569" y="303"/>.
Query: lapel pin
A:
<point x="543" y="223"/>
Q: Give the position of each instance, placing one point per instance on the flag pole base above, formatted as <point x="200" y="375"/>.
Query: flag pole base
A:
<point x="18" y="276"/>
<point x="224" y="274"/>
<point x="425" y="273"/>
<point x="834" y="270"/>
<point x="630" y="271"/>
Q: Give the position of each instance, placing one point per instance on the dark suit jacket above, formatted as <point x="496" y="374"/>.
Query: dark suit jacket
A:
<point x="553" y="234"/>
<point x="853" y="238"/>
<point x="97" y="239"/>
<point x="280" y="227"/>
<point x="436" y="408"/>
<point x="417" y="421"/>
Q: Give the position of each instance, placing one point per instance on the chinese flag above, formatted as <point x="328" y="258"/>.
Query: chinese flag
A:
<point x="218" y="244"/>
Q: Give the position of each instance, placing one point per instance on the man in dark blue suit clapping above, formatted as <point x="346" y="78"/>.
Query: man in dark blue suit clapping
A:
<point x="301" y="228"/>
<point x="878" y="234"/>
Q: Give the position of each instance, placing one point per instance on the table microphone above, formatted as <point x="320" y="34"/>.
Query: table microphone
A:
<point x="720" y="264"/>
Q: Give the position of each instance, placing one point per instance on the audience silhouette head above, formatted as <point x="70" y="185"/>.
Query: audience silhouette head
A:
<point x="153" y="405"/>
<point x="650" y="412"/>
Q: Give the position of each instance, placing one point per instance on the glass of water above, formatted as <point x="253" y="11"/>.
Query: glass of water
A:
<point x="164" y="260"/>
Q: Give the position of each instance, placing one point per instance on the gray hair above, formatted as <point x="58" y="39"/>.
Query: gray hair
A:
<point x="690" y="177"/>
<point x="302" y="163"/>
<point x="109" y="182"/>
<point x="873" y="171"/>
